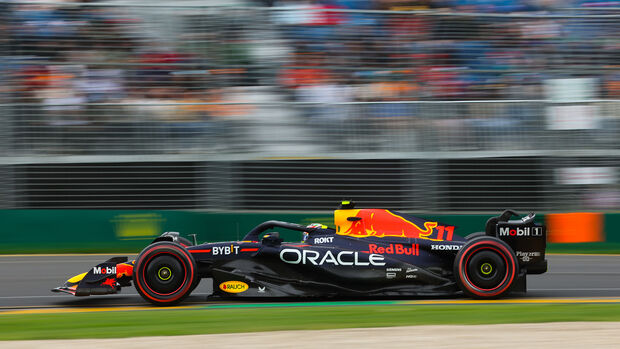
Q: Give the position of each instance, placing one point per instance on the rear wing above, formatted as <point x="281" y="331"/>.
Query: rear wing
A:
<point x="527" y="238"/>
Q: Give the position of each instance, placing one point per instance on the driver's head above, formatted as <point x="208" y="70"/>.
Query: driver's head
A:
<point x="312" y="226"/>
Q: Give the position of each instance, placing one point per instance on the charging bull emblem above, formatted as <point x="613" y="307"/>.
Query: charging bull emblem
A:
<point x="381" y="223"/>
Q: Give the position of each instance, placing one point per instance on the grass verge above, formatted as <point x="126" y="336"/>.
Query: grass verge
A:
<point x="119" y="324"/>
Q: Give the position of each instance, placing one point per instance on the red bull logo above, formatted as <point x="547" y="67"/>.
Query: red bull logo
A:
<point x="398" y="249"/>
<point x="111" y="282"/>
<point x="382" y="223"/>
<point x="124" y="269"/>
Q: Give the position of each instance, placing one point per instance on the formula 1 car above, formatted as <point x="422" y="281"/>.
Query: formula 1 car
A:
<point x="370" y="252"/>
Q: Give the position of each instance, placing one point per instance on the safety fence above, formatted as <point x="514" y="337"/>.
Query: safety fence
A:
<point x="315" y="129"/>
<point x="201" y="107"/>
<point x="486" y="184"/>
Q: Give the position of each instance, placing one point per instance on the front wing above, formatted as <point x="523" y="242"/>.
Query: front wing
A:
<point x="105" y="278"/>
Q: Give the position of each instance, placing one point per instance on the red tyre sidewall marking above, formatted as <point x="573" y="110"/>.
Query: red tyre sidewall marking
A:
<point x="463" y="272"/>
<point x="141" y="277"/>
<point x="145" y="283"/>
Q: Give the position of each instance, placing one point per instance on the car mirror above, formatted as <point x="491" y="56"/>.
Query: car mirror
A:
<point x="272" y="239"/>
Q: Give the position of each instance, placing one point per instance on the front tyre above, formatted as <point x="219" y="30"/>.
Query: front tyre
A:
<point x="164" y="273"/>
<point x="485" y="268"/>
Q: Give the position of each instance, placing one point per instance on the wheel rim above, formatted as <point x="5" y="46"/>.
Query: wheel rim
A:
<point x="486" y="270"/>
<point x="164" y="274"/>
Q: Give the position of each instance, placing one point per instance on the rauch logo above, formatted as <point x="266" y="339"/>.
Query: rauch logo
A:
<point x="234" y="286"/>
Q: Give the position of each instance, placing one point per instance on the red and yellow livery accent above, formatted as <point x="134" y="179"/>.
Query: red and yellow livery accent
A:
<point x="124" y="269"/>
<point x="381" y="223"/>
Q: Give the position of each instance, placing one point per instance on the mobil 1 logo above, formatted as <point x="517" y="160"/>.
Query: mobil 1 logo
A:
<point x="519" y="231"/>
<point x="99" y="270"/>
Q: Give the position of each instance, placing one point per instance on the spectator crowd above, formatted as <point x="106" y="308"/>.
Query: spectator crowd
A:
<point x="76" y="71"/>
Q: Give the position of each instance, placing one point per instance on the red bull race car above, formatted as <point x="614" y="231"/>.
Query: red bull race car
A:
<point x="369" y="253"/>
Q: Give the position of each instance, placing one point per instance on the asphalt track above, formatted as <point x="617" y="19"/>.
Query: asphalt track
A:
<point x="26" y="281"/>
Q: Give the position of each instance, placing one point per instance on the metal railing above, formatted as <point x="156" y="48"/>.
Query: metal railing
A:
<point x="295" y="129"/>
<point x="455" y="105"/>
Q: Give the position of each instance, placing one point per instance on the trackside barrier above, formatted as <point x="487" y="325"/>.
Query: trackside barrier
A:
<point x="89" y="231"/>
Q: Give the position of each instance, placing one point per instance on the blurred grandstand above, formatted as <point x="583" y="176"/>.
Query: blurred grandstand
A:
<point x="449" y="105"/>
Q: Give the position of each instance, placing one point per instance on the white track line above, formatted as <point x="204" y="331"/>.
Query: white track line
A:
<point x="70" y="297"/>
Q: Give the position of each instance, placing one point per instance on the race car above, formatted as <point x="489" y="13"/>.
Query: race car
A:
<point x="369" y="253"/>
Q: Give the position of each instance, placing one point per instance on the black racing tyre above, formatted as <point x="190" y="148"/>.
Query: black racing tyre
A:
<point x="485" y="267"/>
<point x="185" y="242"/>
<point x="165" y="273"/>
<point x="475" y="235"/>
<point x="195" y="284"/>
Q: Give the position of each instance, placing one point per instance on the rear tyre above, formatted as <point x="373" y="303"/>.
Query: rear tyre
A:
<point x="475" y="235"/>
<point x="164" y="273"/>
<point x="485" y="268"/>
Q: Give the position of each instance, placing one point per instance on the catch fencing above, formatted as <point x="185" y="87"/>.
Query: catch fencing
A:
<point x="204" y="107"/>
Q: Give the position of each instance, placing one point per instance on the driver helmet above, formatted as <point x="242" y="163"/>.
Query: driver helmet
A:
<point x="312" y="226"/>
